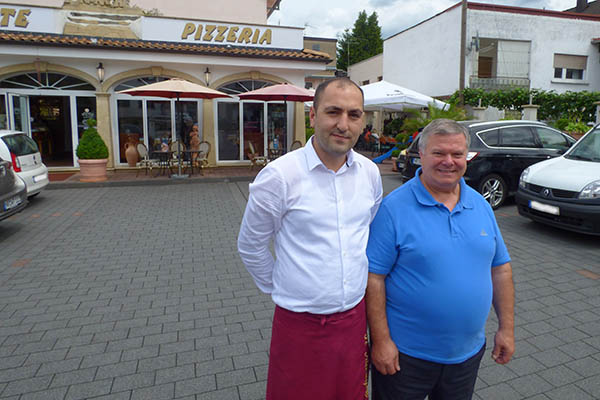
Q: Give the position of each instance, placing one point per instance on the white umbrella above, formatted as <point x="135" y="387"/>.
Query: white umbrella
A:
<point x="385" y="96"/>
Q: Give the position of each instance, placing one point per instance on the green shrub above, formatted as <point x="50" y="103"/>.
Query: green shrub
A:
<point x="561" y="123"/>
<point x="393" y="127"/>
<point x="396" y="152"/>
<point x="91" y="146"/>
<point x="577" y="127"/>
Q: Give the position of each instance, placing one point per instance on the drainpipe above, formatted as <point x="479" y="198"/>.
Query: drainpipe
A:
<point x="463" y="43"/>
<point x="581" y="6"/>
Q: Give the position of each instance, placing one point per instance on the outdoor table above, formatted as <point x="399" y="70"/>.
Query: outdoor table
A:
<point x="164" y="159"/>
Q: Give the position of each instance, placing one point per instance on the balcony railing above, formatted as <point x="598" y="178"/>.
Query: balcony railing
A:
<point x="497" y="83"/>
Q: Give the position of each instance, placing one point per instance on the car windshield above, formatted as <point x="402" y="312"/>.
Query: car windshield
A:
<point x="587" y="148"/>
<point x="20" y="144"/>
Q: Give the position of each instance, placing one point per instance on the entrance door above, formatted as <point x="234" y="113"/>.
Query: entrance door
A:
<point x="19" y="113"/>
<point x="254" y="132"/>
<point x="51" y="129"/>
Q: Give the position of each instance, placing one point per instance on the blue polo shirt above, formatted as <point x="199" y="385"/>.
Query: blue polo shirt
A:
<point x="438" y="270"/>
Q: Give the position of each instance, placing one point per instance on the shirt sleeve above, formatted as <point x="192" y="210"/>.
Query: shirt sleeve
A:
<point x="501" y="257"/>
<point x="381" y="248"/>
<point x="378" y="194"/>
<point x="262" y="219"/>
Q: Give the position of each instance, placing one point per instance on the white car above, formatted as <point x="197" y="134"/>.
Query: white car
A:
<point x="565" y="191"/>
<point x="23" y="153"/>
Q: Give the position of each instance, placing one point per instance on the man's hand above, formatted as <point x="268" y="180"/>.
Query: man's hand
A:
<point x="504" y="346"/>
<point x="384" y="356"/>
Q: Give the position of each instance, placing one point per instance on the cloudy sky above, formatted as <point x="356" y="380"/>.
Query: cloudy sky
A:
<point x="328" y="18"/>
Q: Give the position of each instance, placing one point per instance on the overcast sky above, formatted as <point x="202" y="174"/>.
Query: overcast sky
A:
<point x="329" y="18"/>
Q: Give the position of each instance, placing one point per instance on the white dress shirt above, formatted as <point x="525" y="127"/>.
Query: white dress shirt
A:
<point x="319" y="221"/>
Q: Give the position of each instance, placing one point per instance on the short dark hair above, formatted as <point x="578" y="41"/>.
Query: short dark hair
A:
<point x="443" y="126"/>
<point x="340" y="81"/>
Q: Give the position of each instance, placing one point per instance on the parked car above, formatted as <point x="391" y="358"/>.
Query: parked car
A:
<point x="26" y="160"/>
<point x="565" y="191"/>
<point x="499" y="152"/>
<point x="13" y="193"/>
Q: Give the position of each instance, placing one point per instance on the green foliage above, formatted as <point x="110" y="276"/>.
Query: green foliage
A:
<point x="575" y="106"/>
<point x="417" y="121"/>
<point x="362" y="42"/>
<point x="396" y="152"/>
<point x="309" y="130"/>
<point x="576" y="127"/>
<point x="392" y="127"/>
<point x="91" y="146"/>
<point x="402" y="141"/>
<point x="561" y="123"/>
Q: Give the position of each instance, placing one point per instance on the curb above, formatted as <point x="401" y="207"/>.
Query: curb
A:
<point x="147" y="182"/>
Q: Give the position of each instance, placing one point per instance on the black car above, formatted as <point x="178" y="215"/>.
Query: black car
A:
<point x="13" y="193"/>
<point x="499" y="152"/>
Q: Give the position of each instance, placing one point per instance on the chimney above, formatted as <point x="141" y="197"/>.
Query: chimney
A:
<point x="581" y="6"/>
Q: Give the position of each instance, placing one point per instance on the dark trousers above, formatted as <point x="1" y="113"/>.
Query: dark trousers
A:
<point x="419" y="378"/>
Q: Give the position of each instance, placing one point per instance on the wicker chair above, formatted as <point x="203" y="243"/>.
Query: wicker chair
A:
<point x="255" y="158"/>
<point x="146" y="162"/>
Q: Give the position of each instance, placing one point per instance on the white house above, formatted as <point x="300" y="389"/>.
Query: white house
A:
<point x="506" y="47"/>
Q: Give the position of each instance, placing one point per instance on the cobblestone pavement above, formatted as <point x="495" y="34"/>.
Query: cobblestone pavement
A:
<point x="138" y="293"/>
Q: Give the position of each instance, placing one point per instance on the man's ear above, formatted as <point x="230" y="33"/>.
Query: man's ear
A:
<point x="311" y="116"/>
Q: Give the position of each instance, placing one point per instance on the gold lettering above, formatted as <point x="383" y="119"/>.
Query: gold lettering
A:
<point x="266" y="37"/>
<point x="6" y="14"/>
<point x="255" y="37"/>
<point x="221" y="35"/>
<point x="188" y="30"/>
<point x="21" y="20"/>
<point x="209" y="29"/>
<point x="231" y="35"/>
<point x="198" y="32"/>
<point x="245" y="35"/>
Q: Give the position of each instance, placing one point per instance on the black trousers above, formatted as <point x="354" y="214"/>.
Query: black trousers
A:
<point x="419" y="378"/>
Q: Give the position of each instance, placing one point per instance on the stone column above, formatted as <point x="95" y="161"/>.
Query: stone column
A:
<point x="597" y="104"/>
<point x="104" y="125"/>
<point x="208" y="129"/>
<point x="299" y="125"/>
<point x="479" y="113"/>
<point x="530" y="112"/>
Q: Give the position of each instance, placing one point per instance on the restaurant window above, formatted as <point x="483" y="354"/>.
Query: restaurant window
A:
<point x="45" y="80"/>
<point x="568" y="66"/>
<point x="3" y="112"/>
<point x="152" y="120"/>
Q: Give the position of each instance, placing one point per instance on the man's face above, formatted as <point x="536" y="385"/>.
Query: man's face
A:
<point x="338" y="121"/>
<point x="444" y="161"/>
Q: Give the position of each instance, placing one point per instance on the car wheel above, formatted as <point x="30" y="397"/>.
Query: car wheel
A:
<point x="494" y="190"/>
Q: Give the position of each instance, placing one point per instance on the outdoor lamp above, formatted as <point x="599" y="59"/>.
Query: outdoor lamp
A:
<point x="100" y="71"/>
<point x="207" y="76"/>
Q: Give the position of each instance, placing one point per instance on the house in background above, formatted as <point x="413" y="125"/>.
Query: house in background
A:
<point x="506" y="47"/>
<point x="367" y="71"/>
<point x="324" y="47"/>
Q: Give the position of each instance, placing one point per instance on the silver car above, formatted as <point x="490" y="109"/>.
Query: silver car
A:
<point x="23" y="153"/>
<point x="13" y="194"/>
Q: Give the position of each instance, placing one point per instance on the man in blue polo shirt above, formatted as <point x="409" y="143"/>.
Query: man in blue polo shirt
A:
<point x="437" y="261"/>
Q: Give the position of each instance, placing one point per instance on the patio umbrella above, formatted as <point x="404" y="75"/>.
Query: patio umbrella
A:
<point x="282" y="91"/>
<point x="176" y="89"/>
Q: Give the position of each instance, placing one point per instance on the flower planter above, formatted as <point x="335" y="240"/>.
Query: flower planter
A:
<point x="93" y="170"/>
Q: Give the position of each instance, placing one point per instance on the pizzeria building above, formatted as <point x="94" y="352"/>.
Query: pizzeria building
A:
<point x="64" y="63"/>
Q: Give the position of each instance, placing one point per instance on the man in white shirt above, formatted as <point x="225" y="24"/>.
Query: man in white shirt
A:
<point x="316" y="204"/>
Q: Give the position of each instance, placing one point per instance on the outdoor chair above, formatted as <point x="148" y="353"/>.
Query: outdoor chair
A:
<point x="174" y="149"/>
<point x="255" y="158"/>
<point x="145" y="161"/>
<point x="200" y="160"/>
<point x="296" y="144"/>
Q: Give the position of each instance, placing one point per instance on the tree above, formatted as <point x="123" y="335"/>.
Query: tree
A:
<point x="363" y="42"/>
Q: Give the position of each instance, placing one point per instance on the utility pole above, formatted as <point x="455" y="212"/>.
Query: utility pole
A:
<point x="463" y="45"/>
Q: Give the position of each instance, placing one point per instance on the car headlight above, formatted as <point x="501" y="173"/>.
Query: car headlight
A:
<point x="591" y="191"/>
<point x="523" y="178"/>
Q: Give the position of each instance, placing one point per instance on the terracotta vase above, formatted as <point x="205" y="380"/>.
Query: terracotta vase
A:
<point x="131" y="153"/>
<point x="93" y="170"/>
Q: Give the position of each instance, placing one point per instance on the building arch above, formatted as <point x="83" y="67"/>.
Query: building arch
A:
<point x="252" y="75"/>
<point x="150" y="71"/>
<point x="43" y="66"/>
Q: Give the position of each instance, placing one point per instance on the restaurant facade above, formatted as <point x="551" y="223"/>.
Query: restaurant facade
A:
<point x="61" y="65"/>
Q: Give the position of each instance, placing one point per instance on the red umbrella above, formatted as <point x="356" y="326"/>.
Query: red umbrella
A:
<point x="283" y="91"/>
<point x="176" y="89"/>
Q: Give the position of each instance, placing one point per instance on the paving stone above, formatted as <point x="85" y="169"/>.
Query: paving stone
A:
<point x="235" y="378"/>
<point x="195" y="386"/>
<point x="134" y="381"/>
<point x="87" y="390"/>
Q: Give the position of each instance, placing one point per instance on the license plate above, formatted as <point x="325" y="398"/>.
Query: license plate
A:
<point x="40" y="178"/>
<point x="548" y="209"/>
<point x="12" y="203"/>
<point x="415" y="161"/>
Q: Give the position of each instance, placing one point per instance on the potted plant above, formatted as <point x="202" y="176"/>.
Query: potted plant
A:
<point x="93" y="155"/>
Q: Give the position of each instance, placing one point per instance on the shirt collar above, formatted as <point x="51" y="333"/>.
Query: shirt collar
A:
<point x="425" y="198"/>
<point x="313" y="160"/>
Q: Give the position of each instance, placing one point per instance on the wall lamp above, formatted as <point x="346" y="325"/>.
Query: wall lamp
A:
<point x="207" y="76"/>
<point x="100" y="71"/>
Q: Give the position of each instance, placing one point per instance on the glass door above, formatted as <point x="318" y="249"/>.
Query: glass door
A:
<point x="253" y="129"/>
<point x="19" y="113"/>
